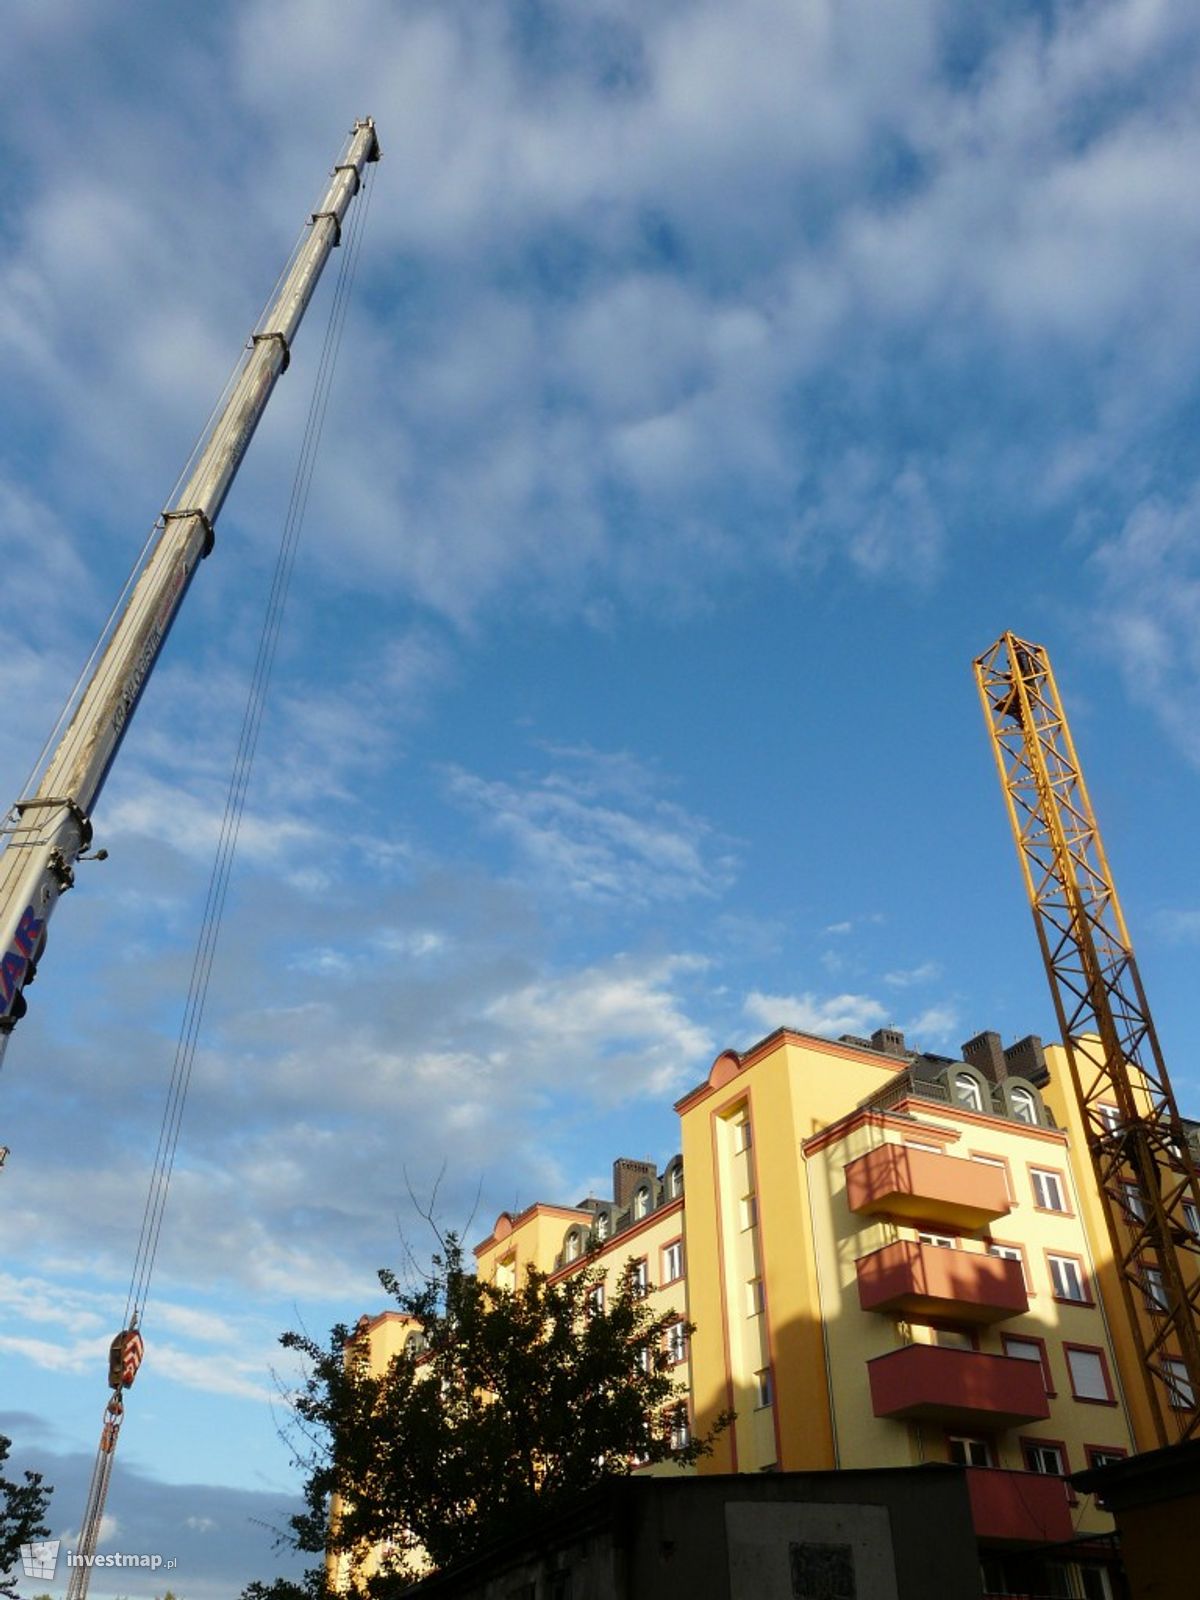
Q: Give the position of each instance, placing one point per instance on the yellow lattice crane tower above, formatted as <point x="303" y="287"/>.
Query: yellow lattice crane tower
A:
<point x="1144" y="1166"/>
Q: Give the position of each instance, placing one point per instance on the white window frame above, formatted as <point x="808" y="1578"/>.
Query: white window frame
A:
<point x="1036" y="1450"/>
<point x="1154" y="1285"/>
<point x="943" y="1241"/>
<point x="677" y="1343"/>
<point x="680" y="1426"/>
<point x="641" y="1202"/>
<point x="1192" y="1217"/>
<point x="1048" y="1186"/>
<point x="1018" y="1348"/>
<point x="672" y="1260"/>
<point x="1090" y="1383"/>
<point x="639" y="1278"/>
<point x="595" y="1301"/>
<point x="1133" y="1200"/>
<point x="1182" y="1395"/>
<point x="743" y="1135"/>
<point x="1110" y="1116"/>
<point x="764" y="1389"/>
<point x="756" y="1302"/>
<point x="972" y="1098"/>
<point x="971" y="1445"/>
<point x="1022" y="1101"/>
<point x="1071" y="1276"/>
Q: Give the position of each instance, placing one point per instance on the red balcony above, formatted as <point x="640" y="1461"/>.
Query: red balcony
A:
<point x="961" y="1388"/>
<point x="894" y="1181"/>
<point x="1023" y="1506"/>
<point x="931" y="1281"/>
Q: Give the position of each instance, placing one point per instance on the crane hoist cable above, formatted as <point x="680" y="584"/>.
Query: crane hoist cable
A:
<point x="127" y="1348"/>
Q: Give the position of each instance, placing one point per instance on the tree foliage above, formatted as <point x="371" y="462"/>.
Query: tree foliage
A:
<point x="22" y="1518"/>
<point x="518" y="1399"/>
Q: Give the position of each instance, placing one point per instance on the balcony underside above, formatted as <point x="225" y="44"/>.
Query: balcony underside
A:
<point x="929" y="1282"/>
<point x="957" y="1388"/>
<point x="895" y="1181"/>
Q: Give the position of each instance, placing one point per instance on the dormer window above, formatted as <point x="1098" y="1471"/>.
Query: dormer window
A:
<point x="966" y="1091"/>
<point x="641" y="1203"/>
<point x="603" y="1225"/>
<point x="675" y="1183"/>
<point x="574" y="1246"/>
<point x="1024" y="1107"/>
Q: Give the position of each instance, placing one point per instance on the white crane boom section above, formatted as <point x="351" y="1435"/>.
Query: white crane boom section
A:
<point x="50" y="826"/>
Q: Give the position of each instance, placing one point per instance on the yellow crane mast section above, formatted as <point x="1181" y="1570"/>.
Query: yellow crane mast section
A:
<point x="1144" y="1166"/>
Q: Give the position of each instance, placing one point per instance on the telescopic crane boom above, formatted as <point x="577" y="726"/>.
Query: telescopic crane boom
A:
<point x="50" y="826"/>
<point x="1139" y="1147"/>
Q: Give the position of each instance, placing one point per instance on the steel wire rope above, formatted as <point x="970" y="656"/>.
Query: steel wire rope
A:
<point x="220" y="874"/>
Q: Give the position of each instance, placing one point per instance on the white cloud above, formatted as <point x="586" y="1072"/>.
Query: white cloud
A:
<point x="906" y="977"/>
<point x="936" y="1024"/>
<point x="574" y="838"/>
<point x="808" y="1013"/>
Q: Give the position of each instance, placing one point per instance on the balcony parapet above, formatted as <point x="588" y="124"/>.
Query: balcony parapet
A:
<point x="959" y="1388"/>
<point x="896" y="1181"/>
<point x="929" y="1281"/>
<point x="1028" y="1507"/>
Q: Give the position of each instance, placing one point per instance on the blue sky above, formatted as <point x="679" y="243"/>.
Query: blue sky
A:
<point x="719" y="382"/>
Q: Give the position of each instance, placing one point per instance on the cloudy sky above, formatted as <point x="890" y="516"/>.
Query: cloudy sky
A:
<point x="719" y="381"/>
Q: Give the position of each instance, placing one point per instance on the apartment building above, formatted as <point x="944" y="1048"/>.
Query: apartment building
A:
<point x="891" y="1258"/>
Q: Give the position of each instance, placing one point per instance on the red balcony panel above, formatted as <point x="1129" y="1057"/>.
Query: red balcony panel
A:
<point x="1022" y="1506"/>
<point x="895" y="1181"/>
<point x="928" y="1280"/>
<point x="961" y="1388"/>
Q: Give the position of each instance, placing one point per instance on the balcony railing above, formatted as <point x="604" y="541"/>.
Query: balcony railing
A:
<point x="964" y="1388"/>
<point x="910" y="1279"/>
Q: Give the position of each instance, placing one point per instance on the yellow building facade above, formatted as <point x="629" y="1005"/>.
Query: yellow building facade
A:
<point x="889" y="1258"/>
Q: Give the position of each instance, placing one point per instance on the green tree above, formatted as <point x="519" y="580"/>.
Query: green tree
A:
<point x="22" y="1518"/>
<point x="519" y="1399"/>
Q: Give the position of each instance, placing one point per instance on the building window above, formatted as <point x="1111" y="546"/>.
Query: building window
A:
<point x="639" y="1279"/>
<point x="677" y="1343"/>
<point x="1110" y="1117"/>
<point x="943" y="1240"/>
<point x="1024" y="1106"/>
<point x="1103" y="1455"/>
<point x="749" y="1211"/>
<point x="742" y="1136"/>
<point x="954" y="1339"/>
<point x="574" y="1246"/>
<point x="680" y="1429"/>
<point x="641" y="1203"/>
<point x="1009" y="1252"/>
<point x="602" y="1226"/>
<point x="1028" y="1350"/>
<point x="1156" y="1289"/>
<point x="764" y="1389"/>
<point x="595" y="1301"/>
<point x="672" y="1260"/>
<point x="675" y="1183"/>
<point x="1089" y="1374"/>
<point x="1178" y="1382"/>
<point x="1066" y="1276"/>
<point x="1047" y="1190"/>
<point x="969" y="1452"/>
<point x="755" y="1301"/>
<point x="1044" y="1458"/>
<point x="929" y="1149"/>
<point x="1192" y="1217"/>
<point x="966" y="1091"/>
<point x="643" y="1358"/>
<point x="1131" y="1199"/>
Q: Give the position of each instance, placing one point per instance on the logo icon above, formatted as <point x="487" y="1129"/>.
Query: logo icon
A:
<point x="41" y="1558"/>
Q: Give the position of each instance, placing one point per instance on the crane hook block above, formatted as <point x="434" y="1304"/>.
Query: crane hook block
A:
<point x="124" y="1358"/>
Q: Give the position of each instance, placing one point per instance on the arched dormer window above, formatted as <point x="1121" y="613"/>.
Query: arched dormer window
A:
<point x="574" y="1246"/>
<point x="1024" y="1106"/>
<point x="675" y="1182"/>
<point x="641" y="1203"/>
<point x="602" y="1226"/>
<point x="967" y="1091"/>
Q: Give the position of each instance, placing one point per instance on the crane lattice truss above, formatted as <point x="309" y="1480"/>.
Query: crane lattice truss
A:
<point x="1139" y="1147"/>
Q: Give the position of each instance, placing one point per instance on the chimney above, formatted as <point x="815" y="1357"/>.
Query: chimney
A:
<point x="890" y="1041"/>
<point x="1027" y="1059"/>
<point x="627" y="1175"/>
<point x="986" y="1052"/>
